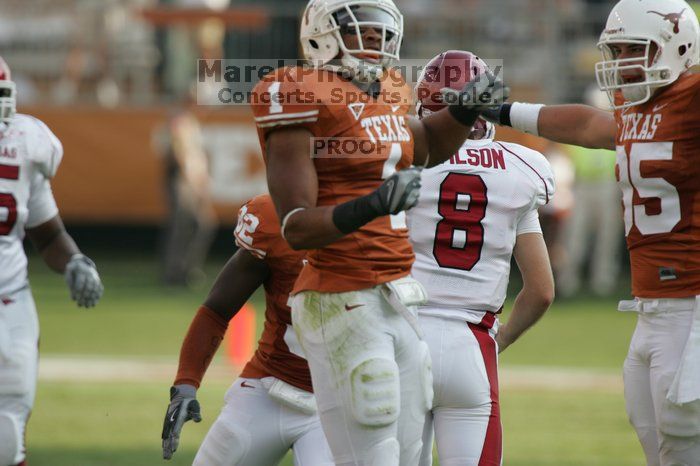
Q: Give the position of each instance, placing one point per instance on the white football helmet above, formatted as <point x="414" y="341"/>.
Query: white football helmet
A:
<point x="325" y="21"/>
<point x="8" y="94"/>
<point x="669" y="24"/>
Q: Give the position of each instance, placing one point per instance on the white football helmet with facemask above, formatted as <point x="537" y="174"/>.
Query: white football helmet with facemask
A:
<point x="669" y="24"/>
<point x="326" y="21"/>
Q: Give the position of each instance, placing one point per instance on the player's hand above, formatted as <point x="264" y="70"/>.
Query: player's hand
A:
<point x="501" y="339"/>
<point x="399" y="192"/>
<point x="83" y="281"/>
<point x="182" y="408"/>
<point x="486" y="91"/>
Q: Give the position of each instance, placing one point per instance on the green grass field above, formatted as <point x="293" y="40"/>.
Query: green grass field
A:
<point x="117" y="421"/>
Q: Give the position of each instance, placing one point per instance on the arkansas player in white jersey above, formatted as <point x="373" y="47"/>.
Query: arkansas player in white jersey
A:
<point x="474" y="212"/>
<point x="29" y="157"/>
<point x="648" y="49"/>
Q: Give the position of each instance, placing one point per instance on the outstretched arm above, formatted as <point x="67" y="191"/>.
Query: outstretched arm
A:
<point x="237" y="281"/>
<point x="579" y="125"/>
<point x="538" y="288"/>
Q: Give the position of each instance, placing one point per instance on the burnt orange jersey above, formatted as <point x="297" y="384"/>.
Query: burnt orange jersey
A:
<point x="358" y="141"/>
<point x="258" y="232"/>
<point x="658" y="169"/>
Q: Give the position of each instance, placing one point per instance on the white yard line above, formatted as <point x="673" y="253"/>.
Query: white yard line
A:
<point x="96" y="369"/>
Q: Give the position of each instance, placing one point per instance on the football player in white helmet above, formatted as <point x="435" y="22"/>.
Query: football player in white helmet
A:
<point x="648" y="49"/>
<point x="334" y="28"/>
<point x="475" y="212"/>
<point x="354" y="303"/>
<point x="29" y="157"/>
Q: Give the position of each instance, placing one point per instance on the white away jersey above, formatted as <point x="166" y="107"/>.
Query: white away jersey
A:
<point x="463" y="229"/>
<point x="29" y="156"/>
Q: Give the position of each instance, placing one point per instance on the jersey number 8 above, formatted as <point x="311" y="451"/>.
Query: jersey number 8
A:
<point x="459" y="236"/>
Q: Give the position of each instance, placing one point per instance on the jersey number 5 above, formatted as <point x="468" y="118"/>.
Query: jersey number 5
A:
<point x="647" y="188"/>
<point x="459" y="236"/>
<point x="7" y="200"/>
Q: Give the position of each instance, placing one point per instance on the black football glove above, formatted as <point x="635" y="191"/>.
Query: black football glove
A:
<point x="485" y="92"/>
<point x="182" y="408"/>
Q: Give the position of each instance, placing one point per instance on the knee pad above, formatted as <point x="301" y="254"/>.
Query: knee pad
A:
<point x="375" y="391"/>
<point x="10" y="439"/>
<point x="385" y="453"/>
<point x="224" y="445"/>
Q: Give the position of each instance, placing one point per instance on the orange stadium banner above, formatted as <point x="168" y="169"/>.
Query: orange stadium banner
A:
<point x="113" y="171"/>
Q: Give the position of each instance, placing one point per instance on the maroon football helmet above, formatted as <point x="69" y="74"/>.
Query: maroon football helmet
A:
<point x="453" y="69"/>
<point x="7" y="94"/>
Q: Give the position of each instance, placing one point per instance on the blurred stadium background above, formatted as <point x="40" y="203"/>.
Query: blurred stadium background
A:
<point x="108" y="75"/>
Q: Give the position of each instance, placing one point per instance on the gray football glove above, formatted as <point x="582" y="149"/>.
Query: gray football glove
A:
<point x="399" y="192"/>
<point x="182" y="408"/>
<point x="83" y="281"/>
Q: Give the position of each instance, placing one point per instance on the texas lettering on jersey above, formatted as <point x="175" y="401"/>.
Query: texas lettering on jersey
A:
<point x="640" y="126"/>
<point x="278" y="353"/>
<point x="368" y="139"/>
<point x="386" y="128"/>
<point x="658" y="143"/>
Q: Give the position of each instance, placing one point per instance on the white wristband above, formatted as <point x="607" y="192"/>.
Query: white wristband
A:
<point x="286" y="219"/>
<point x="524" y="117"/>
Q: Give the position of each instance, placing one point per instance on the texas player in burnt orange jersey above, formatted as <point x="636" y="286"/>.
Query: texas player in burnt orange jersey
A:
<point x="648" y="47"/>
<point x="338" y="142"/>
<point x="270" y="408"/>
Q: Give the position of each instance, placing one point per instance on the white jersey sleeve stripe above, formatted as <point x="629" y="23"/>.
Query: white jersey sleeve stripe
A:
<point x="284" y="116"/>
<point x="286" y="122"/>
<point x="546" y="189"/>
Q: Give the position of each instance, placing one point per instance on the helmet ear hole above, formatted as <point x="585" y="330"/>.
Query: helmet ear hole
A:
<point x="313" y="44"/>
<point x="682" y="49"/>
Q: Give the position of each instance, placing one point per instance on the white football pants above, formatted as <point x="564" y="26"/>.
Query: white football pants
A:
<point x="255" y="430"/>
<point x="370" y="372"/>
<point x="19" y="353"/>
<point x="465" y="414"/>
<point x="669" y="432"/>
